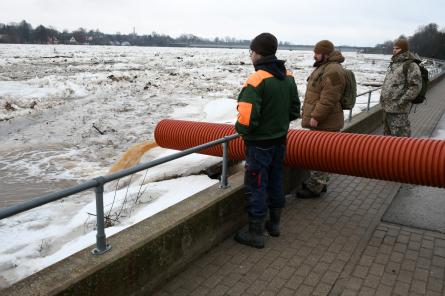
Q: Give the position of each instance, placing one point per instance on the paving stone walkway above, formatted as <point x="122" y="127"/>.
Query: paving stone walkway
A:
<point x="334" y="245"/>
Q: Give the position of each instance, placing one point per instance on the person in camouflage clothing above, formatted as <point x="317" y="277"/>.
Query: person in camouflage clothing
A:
<point x="399" y="89"/>
<point x="322" y="109"/>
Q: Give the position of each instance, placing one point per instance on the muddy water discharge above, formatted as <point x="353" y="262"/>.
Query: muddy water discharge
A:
<point x="132" y="156"/>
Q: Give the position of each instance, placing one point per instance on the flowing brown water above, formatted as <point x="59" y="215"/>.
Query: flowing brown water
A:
<point x="132" y="156"/>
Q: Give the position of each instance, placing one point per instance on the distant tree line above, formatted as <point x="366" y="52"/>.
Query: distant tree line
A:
<point x="23" y="32"/>
<point x="428" y="41"/>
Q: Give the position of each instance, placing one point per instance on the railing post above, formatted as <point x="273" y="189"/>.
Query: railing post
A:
<point x="224" y="182"/>
<point x="101" y="239"/>
<point x="369" y="101"/>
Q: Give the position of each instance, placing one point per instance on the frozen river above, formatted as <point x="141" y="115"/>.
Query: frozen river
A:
<point x="53" y="97"/>
<point x="67" y="113"/>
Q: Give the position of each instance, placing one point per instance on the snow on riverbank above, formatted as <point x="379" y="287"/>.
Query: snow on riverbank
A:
<point x="59" y="229"/>
<point x="69" y="112"/>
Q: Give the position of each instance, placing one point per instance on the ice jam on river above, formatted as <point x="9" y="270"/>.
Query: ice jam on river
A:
<point x="68" y="113"/>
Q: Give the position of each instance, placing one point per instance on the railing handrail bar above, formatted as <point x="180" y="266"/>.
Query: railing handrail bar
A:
<point x="365" y="103"/>
<point x="369" y="91"/>
<point x="47" y="198"/>
<point x="143" y="166"/>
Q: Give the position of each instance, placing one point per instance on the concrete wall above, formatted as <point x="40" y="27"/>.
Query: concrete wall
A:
<point x="365" y="122"/>
<point x="147" y="254"/>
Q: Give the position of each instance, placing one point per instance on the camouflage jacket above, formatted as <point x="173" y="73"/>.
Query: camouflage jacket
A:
<point x="399" y="90"/>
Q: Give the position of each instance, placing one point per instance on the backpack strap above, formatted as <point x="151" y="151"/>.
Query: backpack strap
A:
<point x="406" y="65"/>
<point x="405" y="68"/>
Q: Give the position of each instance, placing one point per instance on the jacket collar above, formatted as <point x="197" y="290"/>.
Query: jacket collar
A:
<point x="272" y="65"/>
<point x="404" y="56"/>
<point x="334" y="56"/>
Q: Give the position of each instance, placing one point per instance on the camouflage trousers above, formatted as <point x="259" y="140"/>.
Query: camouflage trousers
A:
<point x="317" y="181"/>
<point x="396" y="124"/>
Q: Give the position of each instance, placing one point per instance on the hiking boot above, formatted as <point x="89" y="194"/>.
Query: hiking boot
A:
<point x="273" y="224"/>
<point x="306" y="193"/>
<point x="324" y="189"/>
<point x="253" y="236"/>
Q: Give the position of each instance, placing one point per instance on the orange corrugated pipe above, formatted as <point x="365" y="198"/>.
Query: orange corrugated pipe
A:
<point x="406" y="160"/>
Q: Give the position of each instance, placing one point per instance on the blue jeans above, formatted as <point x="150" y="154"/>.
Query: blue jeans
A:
<point x="264" y="179"/>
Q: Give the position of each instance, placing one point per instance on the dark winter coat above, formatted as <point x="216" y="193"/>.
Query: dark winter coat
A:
<point x="267" y="103"/>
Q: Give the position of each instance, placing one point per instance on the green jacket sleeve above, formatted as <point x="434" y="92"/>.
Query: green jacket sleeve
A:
<point x="249" y="109"/>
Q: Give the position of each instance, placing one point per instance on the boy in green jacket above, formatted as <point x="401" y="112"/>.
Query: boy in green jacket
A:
<point x="267" y="104"/>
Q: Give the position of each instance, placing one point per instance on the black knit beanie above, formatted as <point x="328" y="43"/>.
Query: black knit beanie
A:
<point x="264" y="44"/>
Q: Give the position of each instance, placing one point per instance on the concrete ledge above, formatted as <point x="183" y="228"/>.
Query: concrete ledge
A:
<point x="365" y="122"/>
<point x="148" y="253"/>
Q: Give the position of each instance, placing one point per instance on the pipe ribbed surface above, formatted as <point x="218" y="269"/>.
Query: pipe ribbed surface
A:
<point x="407" y="160"/>
<point x="181" y="135"/>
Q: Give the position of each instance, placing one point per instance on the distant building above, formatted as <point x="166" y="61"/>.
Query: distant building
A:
<point x="53" y="40"/>
<point x="73" y="40"/>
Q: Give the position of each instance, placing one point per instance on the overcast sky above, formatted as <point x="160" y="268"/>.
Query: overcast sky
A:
<point x="345" y="22"/>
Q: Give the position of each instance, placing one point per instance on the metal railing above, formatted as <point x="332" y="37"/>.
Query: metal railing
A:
<point x="432" y="73"/>
<point x="368" y="107"/>
<point x="98" y="185"/>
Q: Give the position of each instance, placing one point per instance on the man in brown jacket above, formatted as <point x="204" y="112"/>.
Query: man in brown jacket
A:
<point x="322" y="110"/>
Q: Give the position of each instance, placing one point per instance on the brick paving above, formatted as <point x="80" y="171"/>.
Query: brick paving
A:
<point x="334" y="245"/>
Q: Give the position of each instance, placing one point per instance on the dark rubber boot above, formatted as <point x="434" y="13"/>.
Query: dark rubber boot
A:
<point x="254" y="236"/>
<point x="306" y="193"/>
<point x="273" y="224"/>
